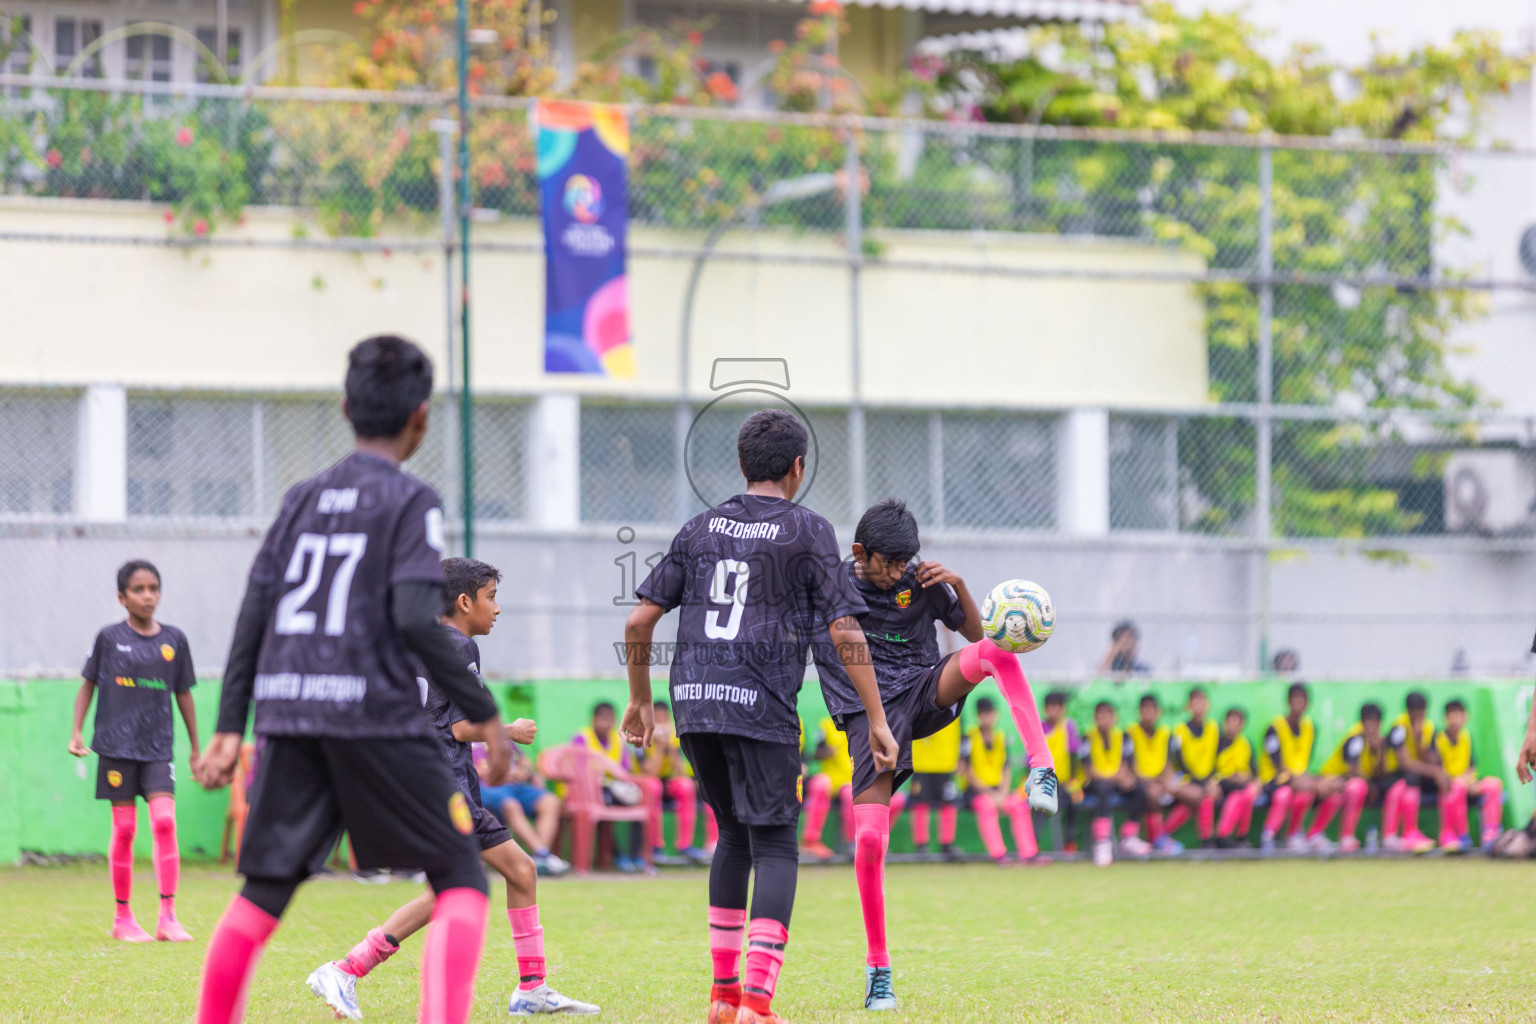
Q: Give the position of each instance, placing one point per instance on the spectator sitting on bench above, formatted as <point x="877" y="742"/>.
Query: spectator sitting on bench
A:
<point x="1110" y="775"/>
<point x="527" y="807"/>
<point x="620" y="784"/>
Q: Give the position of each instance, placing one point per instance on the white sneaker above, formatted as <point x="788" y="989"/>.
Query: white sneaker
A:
<point x="545" y="1000"/>
<point x="1296" y="843"/>
<point x="1135" y="846"/>
<point x="337" y="988"/>
<point x="1322" y="844"/>
<point x="1392" y="844"/>
<point x="1103" y="853"/>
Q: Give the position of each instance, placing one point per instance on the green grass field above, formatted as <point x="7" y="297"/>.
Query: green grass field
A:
<point x="1431" y="940"/>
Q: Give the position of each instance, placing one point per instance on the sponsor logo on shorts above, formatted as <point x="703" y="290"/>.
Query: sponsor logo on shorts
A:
<point x="458" y="812"/>
<point x="114" y="778"/>
<point x="903" y="599"/>
<point x="167" y="652"/>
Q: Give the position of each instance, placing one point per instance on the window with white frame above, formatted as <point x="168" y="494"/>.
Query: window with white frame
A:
<point x="15" y="43"/>
<point x="61" y="30"/>
<point x="208" y="36"/>
<point x="74" y="38"/>
<point x="736" y="36"/>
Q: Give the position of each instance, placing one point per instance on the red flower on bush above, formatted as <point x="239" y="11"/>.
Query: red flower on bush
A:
<point x="184" y="136"/>
<point x="170" y="216"/>
<point x="776" y="46"/>
<point x="200" y="226"/>
<point x="695" y="38"/>
<point x="722" y="88"/>
<point x="54" y="158"/>
<point x="822" y="8"/>
<point x="360" y="8"/>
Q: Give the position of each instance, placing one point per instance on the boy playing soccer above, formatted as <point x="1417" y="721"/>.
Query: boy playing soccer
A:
<point x="347" y="587"/>
<point x="921" y="693"/>
<point x="1109" y="774"/>
<point x="935" y="760"/>
<point x="1454" y="745"/>
<point x="1356" y="766"/>
<point x="137" y="665"/>
<point x="1285" y="760"/>
<point x="469" y="610"/>
<point x="757" y="579"/>
<point x="1195" y="744"/>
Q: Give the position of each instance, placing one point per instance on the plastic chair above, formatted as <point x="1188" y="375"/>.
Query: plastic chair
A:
<point x="582" y="772"/>
<point x="239" y="807"/>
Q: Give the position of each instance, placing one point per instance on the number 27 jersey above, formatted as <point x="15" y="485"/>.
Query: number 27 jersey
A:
<point x="332" y="662"/>
<point x="757" y="579"/>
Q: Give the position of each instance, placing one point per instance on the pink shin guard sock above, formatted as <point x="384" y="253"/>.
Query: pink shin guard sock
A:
<point x="1301" y="803"/>
<point x="984" y="658"/>
<point x="1279" y="807"/>
<point x="1154" y="826"/>
<point x="1392" y="809"/>
<point x="712" y="827"/>
<point x="1355" y="792"/>
<point x="236" y="945"/>
<point x="1205" y="818"/>
<point x="766" y="939"/>
<point x="818" y="801"/>
<point x="1453" y="812"/>
<point x="898" y="804"/>
<point x="845" y="804"/>
<point x="451" y="958"/>
<point x="1232" y="813"/>
<point x="1325" y="812"/>
<point x="920" y="825"/>
<point x="1022" y="823"/>
<point x="1130" y="829"/>
<point x="162" y="821"/>
<point x="1102" y="828"/>
<point x="1176" y="819"/>
<point x="1492" y="810"/>
<point x="725" y="927"/>
<point x="1408" y="810"/>
<point x="652" y="789"/>
<point x="949" y="821"/>
<point x="987" y="824"/>
<point x="528" y="943"/>
<point x="125" y="826"/>
<point x="685" y="796"/>
<point x="872" y="837"/>
<point x="375" y="948"/>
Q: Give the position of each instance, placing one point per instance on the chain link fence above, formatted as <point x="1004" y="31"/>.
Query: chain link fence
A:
<point x="1351" y="421"/>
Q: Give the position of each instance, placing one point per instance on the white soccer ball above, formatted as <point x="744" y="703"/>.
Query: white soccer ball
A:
<point x="1018" y="616"/>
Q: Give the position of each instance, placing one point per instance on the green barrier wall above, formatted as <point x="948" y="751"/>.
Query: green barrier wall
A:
<point x="48" y="805"/>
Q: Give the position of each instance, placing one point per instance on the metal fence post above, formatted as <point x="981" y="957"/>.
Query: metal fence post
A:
<point x="466" y="397"/>
<point x="853" y="229"/>
<point x="447" y="130"/>
<point x="1264" y="448"/>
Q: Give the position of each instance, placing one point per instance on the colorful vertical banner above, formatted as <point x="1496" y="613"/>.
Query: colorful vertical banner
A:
<point x="584" y="188"/>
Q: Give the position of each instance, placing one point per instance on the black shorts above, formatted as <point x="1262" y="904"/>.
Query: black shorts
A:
<point x="911" y="714"/>
<point x="489" y="831"/>
<point x="745" y="780"/>
<point x="395" y="798"/>
<point x="1230" y="786"/>
<point x="935" y="789"/>
<point x="118" y="778"/>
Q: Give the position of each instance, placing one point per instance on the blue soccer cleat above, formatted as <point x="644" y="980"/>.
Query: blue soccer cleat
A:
<point x="1040" y="789"/>
<point x="546" y="1000"/>
<point x="337" y="988"/>
<point x="878" y="991"/>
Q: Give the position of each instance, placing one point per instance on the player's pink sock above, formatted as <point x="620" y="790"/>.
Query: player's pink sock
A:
<point x="1408" y="810"/>
<point x="1102" y="827"/>
<point x="528" y="942"/>
<point x="1177" y="818"/>
<point x="987" y="825"/>
<point x="1392" y="808"/>
<point x="1453" y="812"/>
<point x="818" y="801"/>
<point x="1355" y="792"/>
<point x="725" y="928"/>
<point x="1279" y="806"/>
<point x="451" y="958"/>
<point x="236" y="945"/>
<point x="845" y="802"/>
<point x="712" y="827"/>
<point x="1023" y="826"/>
<point x="685" y="798"/>
<point x="1325" y="812"/>
<point x="652" y="789"/>
<point x="1129" y="830"/>
<point x="162" y="821"/>
<point x="1493" y="807"/>
<point x="898" y="804"/>
<point x="984" y="658"/>
<point x="949" y="820"/>
<point x="766" y="939"/>
<point x="1154" y="826"/>
<point x="1231" y="812"/>
<point x="1301" y="803"/>
<point x="125" y="825"/>
<point x="1205" y="817"/>
<point x="920" y="825"/>
<point x="872" y="837"/>
<point x="375" y="948"/>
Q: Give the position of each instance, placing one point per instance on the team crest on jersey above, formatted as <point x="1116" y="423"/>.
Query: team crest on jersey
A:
<point x="903" y="599"/>
<point x="167" y="652"/>
<point x="114" y="779"/>
<point x="458" y="811"/>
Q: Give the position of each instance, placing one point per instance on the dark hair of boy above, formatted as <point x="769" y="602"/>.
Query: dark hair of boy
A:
<point x="889" y="530"/>
<point x="660" y="705"/>
<point x="1455" y="705"/>
<point x="984" y="704"/>
<point x="1370" y="712"/>
<point x="1148" y="698"/>
<point x="1416" y="701"/>
<point x="1103" y="705"/>
<point x="465" y="577"/>
<point x="601" y="706"/>
<point x="1239" y="712"/>
<point x="768" y="444"/>
<point x="1296" y="689"/>
<point x="1056" y="699"/>
<point x="387" y="380"/>
<point x="125" y="573"/>
<point x="1198" y="691"/>
<point x="1122" y="628"/>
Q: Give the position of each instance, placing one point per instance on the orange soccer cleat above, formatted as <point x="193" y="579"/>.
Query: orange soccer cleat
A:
<point x="747" y="1015"/>
<point x="723" y="1001"/>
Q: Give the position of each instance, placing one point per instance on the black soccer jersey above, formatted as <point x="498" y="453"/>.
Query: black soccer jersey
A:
<point x="901" y="637"/>
<point x="332" y="662"/>
<point x="444" y="713"/>
<point x="135" y="676"/>
<point x="757" y="579"/>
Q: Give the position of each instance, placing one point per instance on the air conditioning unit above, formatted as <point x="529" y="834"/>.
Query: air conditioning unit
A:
<point x="1491" y="492"/>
